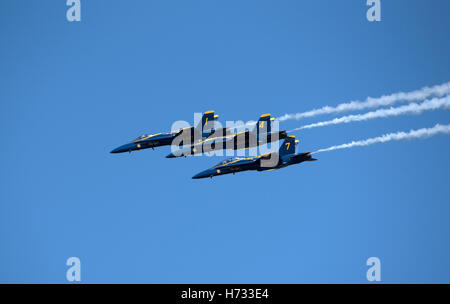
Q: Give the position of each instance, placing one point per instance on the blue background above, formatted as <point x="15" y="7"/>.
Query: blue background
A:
<point x="71" y="92"/>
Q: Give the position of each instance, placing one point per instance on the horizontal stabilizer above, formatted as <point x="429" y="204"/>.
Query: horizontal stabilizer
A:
<point x="303" y="157"/>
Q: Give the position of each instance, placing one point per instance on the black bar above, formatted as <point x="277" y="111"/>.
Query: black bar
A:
<point x="228" y="293"/>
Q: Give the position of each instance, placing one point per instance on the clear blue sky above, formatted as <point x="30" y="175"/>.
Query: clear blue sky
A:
<point x="71" y="92"/>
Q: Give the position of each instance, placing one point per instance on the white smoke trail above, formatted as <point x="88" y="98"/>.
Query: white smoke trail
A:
<point x="413" y="134"/>
<point x="412" y="108"/>
<point x="386" y="100"/>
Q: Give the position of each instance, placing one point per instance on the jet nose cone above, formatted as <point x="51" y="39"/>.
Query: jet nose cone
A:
<point x="202" y="174"/>
<point x="116" y="150"/>
<point x="124" y="148"/>
<point x="198" y="176"/>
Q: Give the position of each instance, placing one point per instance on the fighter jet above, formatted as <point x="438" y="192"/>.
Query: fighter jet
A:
<point x="223" y="139"/>
<point x="204" y="129"/>
<point x="286" y="156"/>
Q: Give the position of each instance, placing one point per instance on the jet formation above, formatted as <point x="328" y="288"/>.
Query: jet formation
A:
<point x="204" y="138"/>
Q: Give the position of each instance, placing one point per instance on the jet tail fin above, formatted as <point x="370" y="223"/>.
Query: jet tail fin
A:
<point x="288" y="146"/>
<point x="264" y="125"/>
<point x="206" y="125"/>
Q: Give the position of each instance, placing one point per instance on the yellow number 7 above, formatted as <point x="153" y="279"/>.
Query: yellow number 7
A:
<point x="288" y="144"/>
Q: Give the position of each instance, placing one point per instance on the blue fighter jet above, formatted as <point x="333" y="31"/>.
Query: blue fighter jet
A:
<point x="222" y="139"/>
<point x="204" y="128"/>
<point x="286" y="156"/>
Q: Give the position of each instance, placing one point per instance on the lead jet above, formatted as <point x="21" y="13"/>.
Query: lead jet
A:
<point x="285" y="156"/>
<point x="222" y="139"/>
<point x="204" y="129"/>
